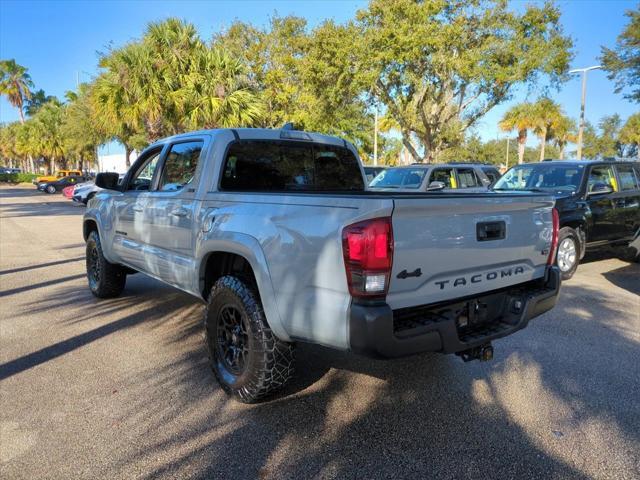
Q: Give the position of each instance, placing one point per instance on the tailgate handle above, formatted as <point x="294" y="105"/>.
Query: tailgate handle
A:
<point x="487" y="231"/>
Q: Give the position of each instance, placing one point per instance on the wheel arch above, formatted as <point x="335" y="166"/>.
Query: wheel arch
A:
<point x="580" y="227"/>
<point x="240" y="255"/>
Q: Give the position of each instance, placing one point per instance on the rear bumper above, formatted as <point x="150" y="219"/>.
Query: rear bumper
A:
<point x="379" y="331"/>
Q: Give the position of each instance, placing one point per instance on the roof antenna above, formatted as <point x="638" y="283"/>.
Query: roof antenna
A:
<point x="287" y="126"/>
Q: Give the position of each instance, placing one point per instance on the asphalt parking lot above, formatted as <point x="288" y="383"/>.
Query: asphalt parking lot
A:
<point x="121" y="389"/>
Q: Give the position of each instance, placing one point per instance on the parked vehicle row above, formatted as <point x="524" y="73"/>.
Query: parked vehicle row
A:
<point x="422" y="177"/>
<point x="276" y="231"/>
<point x="598" y="203"/>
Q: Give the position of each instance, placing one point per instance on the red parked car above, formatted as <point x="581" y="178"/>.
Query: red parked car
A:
<point x="68" y="191"/>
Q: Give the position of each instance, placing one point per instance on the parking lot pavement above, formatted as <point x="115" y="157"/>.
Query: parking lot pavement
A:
<point x="121" y="388"/>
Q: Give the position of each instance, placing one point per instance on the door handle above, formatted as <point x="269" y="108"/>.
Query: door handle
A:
<point x="179" y="212"/>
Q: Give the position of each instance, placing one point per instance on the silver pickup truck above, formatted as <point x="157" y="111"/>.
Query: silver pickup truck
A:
<point x="276" y="232"/>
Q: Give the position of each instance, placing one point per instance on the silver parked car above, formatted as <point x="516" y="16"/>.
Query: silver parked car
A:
<point x="452" y="177"/>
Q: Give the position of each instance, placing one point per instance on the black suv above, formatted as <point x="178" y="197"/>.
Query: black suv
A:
<point x="598" y="203"/>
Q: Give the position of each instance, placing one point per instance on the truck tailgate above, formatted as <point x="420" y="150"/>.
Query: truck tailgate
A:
<point x="458" y="245"/>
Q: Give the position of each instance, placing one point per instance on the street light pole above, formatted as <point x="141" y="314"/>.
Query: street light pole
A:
<point x="583" y="71"/>
<point x="375" y="137"/>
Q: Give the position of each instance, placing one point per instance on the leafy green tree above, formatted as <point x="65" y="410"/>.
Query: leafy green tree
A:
<point x="603" y="141"/>
<point x="630" y="135"/>
<point x="304" y="77"/>
<point x="623" y="61"/>
<point x="440" y="66"/>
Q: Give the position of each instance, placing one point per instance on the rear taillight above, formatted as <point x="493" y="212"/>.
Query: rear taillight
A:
<point x="554" y="237"/>
<point x="368" y="256"/>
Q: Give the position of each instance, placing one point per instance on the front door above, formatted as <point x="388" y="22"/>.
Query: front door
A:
<point x="129" y="235"/>
<point x="170" y="214"/>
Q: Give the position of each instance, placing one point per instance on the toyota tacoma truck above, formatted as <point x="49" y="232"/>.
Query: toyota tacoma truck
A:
<point x="277" y="233"/>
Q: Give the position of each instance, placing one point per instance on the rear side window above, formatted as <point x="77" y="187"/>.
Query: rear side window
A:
<point x="467" y="178"/>
<point x="444" y="175"/>
<point x="180" y="166"/>
<point x="628" y="180"/>
<point x="602" y="174"/>
<point x="267" y="166"/>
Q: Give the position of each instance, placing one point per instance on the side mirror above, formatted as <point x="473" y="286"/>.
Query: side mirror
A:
<point x="107" y="180"/>
<point x="600" y="188"/>
<point x="434" y="186"/>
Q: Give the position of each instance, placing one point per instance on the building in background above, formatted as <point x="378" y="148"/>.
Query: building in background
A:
<point x="115" y="162"/>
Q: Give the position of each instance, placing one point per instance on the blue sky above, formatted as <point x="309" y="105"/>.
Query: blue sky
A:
<point x="58" y="40"/>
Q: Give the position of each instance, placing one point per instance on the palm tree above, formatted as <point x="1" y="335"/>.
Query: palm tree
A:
<point x="218" y="92"/>
<point x="15" y="84"/>
<point x="37" y="99"/>
<point x="521" y="118"/>
<point x="563" y="132"/>
<point x="546" y="113"/>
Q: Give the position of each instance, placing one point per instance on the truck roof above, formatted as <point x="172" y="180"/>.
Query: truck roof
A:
<point x="263" y="134"/>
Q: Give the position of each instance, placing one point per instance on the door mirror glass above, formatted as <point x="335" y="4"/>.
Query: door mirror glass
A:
<point x="600" y="189"/>
<point x="107" y="180"/>
<point x="433" y="186"/>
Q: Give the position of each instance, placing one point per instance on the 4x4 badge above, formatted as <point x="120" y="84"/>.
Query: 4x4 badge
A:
<point x="404" y="274"/>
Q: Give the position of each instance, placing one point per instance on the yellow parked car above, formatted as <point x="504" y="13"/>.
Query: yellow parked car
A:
<point x="59" y="174"/>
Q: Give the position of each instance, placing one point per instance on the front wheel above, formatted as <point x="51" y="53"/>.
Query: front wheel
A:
<point x="51" y="189"/>
<point x="248" y="360"/>
<point x="568" y="255"/>
<point x="106" y="280"/>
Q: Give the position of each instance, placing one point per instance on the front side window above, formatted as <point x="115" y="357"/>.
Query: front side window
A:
<point x="602" y="174"/>
<point x="492" y="174"/>
<point x="141" y="180"/>
<point x="628" y="180"/>
<point x="467" y="178"/>
<point x="180" y="166"/>
<point x="269" y="166"/>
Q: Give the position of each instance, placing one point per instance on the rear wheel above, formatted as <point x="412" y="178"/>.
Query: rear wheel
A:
<point x="568" y="255"/>
<point x="106" y="280"/>
<point x="248" y="360"/>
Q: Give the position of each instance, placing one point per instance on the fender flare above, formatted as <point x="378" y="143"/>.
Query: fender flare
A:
<point x="249" y="248"/>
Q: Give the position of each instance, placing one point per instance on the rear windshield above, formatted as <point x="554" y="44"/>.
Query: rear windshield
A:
<point x="268" y="166"/>
<point x="399" y="178"/>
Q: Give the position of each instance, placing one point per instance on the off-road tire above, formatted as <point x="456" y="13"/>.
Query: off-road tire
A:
<point x="268" y="365"/>
<point x="570" y="233"/>
<point x="110" y="279"/>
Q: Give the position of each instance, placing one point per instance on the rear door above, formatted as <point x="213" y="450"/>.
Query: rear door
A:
<point x="628" y="199"/>
<point x="605" y="224"/>
<point x="468" y="180"/>
<point x="457" y="245"/>
<point x="445" y="175"/>
<point x="170" y="212"/>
